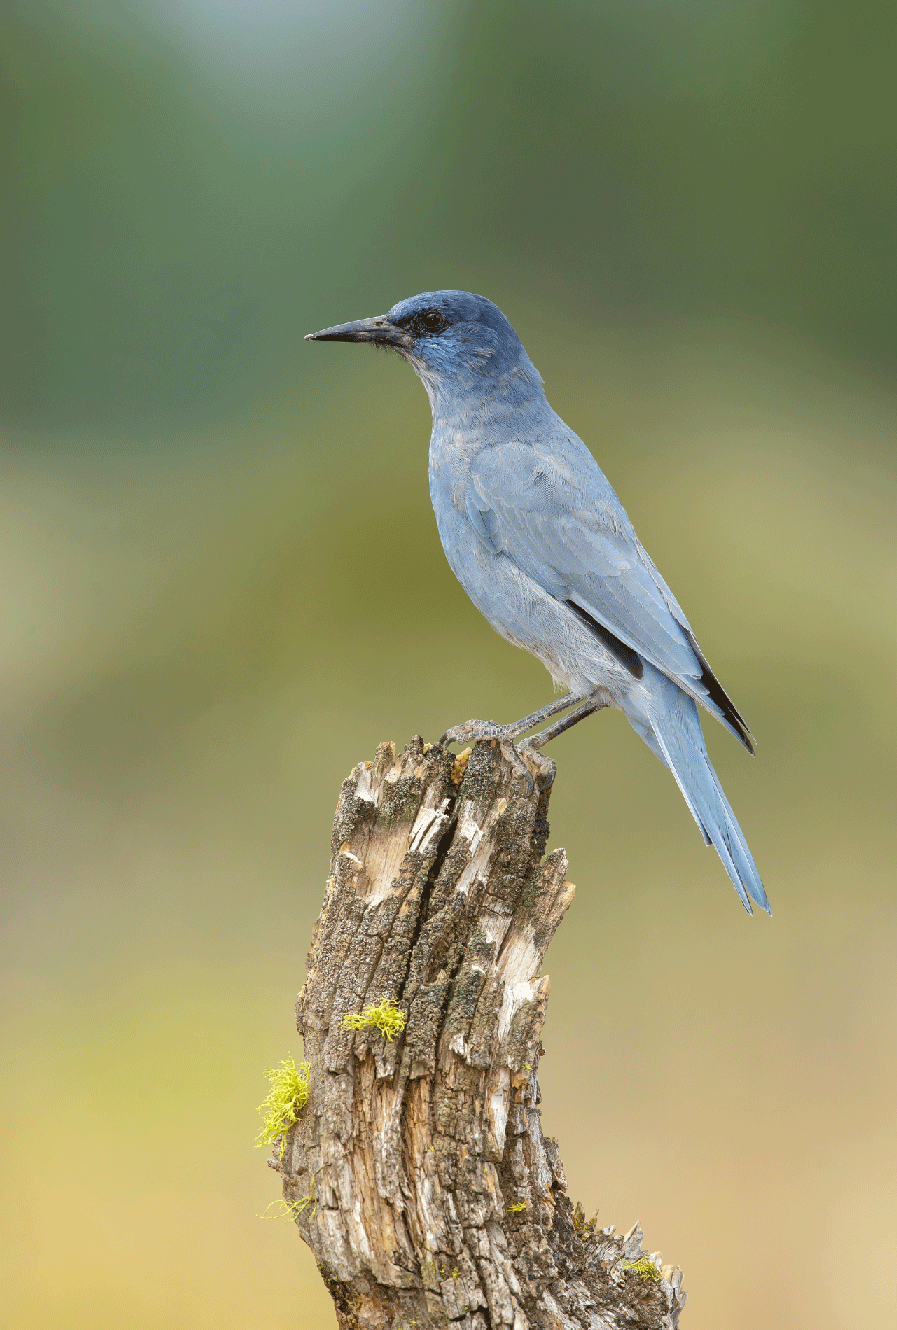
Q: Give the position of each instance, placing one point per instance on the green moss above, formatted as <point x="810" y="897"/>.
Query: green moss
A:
<point x="284" y="1102"/>
<point x="645" y="1269"/>
<point x="385" y="1016"/>
<point x="515" y="1209"/>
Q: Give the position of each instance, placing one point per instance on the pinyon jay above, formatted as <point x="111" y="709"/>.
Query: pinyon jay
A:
<point x="543" y="547"/>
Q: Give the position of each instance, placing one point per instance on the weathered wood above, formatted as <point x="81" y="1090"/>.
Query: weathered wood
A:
<point x="429" y="1195"/>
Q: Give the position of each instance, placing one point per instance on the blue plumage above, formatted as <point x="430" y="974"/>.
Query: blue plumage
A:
<point x="542" y="545"/>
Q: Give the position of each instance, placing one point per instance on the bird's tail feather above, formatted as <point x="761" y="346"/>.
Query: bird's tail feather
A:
<point x="676" y="737"/>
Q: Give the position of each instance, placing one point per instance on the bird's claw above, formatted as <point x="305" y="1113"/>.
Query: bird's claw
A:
<point x="510" y="754"/>
<point x="472" y="731"/>
<point x="545" y="766"/>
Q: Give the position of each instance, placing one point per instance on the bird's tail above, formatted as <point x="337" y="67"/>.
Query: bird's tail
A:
<point x="675" y="735"/>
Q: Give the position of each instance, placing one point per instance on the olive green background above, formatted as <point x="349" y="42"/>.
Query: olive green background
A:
<point x="222" y="586"/>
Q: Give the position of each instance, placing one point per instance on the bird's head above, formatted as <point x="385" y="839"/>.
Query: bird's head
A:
<point x="453" y="340"/>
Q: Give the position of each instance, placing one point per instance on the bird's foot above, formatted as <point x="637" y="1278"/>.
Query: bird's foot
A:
<point x="510" y="754"/>
<point x="546" y="767"/>
<point x="526" y="761"/>
<point x="472" y="731"/>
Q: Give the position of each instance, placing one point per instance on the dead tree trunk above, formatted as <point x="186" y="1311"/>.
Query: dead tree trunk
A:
<point x="417" y="1172"/>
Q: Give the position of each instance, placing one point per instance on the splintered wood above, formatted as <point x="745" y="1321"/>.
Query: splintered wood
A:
<point x="418" y="1172"/>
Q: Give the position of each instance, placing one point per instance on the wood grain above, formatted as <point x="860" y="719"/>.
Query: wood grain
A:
<point x="430" y="1196"/>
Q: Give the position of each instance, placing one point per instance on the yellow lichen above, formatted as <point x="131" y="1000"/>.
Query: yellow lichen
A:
<point x="459" y="766"/>
<point x="515" y="1209"/>
<point x="584" y="1227"/>
<point x="385" y="1016"/>
<point x="645" y="1268"/>
<point x="290" y="1209"/>
<point x="284" y="1102"/>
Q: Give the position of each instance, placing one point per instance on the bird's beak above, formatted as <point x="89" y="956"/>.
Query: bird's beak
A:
<point x="378" y="330"/>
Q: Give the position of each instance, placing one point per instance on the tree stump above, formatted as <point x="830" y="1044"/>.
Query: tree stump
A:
<point x="417" y="1172"/>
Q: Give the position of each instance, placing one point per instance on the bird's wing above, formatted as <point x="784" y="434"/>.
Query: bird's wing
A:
<point x="553" y="512"/>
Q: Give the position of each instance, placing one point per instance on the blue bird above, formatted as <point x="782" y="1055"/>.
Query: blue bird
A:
<point x="542" y="545"/>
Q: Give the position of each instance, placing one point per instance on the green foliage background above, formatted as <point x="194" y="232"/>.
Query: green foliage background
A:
<point x="222" y="586"/>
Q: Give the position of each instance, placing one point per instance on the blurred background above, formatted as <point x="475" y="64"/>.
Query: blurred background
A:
<point x="222" y="586"/>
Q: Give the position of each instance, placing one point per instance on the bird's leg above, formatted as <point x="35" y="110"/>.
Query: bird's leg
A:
<point x="474" y="730"/>
<point x="552" y="731"/>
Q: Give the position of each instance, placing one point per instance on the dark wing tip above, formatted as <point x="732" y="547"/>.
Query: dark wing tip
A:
<point x="728" y="708"/>
<point x="629" y="659"/>
<point x="718" y="694"/>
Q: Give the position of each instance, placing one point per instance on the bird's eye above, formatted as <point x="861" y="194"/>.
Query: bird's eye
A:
<point x="426" y="323"/>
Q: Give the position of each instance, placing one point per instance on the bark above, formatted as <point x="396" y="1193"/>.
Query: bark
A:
<point x="427" y="1191"/>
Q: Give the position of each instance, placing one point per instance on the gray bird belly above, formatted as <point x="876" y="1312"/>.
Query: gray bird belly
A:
<point x="527" y="615"/>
